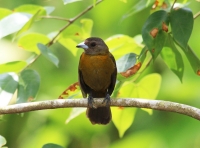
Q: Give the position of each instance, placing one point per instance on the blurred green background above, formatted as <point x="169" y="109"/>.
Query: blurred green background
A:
<point x="159" y="130"/>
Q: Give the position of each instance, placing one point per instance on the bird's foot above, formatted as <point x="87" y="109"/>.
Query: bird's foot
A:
<point x="107" y="100"/>
<point x="90" y="101"/>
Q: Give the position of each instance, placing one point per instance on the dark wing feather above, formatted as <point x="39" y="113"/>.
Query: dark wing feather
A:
<point x="84" y="88"/>
<point x="113" y="77"/>
<point x="82" y="84"/>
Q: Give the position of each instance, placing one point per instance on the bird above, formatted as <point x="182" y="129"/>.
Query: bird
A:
<point x="97" y="74"/>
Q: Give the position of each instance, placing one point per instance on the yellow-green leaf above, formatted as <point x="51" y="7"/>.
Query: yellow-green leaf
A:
<point x="29" y="23"/>
<point x="86" y="27"/>
<point x="122" y="118"/>
<point x="123" y="44"/>
<point x="15" y="66"/>
<point x="35" y="38"/>
<point x="32" y="9"/>
<point x="147" y="88"/>
<point x="4" y="12"/>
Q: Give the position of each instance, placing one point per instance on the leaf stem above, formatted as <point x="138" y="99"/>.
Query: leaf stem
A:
<point x="173" y="5"/>
<point x="196" y="15"/>
<point x="55" y="17"/>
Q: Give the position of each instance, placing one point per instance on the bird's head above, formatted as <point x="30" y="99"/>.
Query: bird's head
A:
<point x="94" y="46"/>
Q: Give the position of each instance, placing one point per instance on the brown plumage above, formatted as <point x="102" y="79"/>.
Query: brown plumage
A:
<point x="97" y="76"/>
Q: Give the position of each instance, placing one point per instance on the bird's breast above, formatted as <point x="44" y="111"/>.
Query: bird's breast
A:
<point x="96" y="70"/>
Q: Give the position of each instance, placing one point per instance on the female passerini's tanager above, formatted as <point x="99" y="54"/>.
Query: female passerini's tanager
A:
<point x="97" y="76"/>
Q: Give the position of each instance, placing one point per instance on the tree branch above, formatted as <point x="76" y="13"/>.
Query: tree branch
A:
<point x="72" y="20"/>
<point x="139" y="103"/>
<point x="196" y="15"/>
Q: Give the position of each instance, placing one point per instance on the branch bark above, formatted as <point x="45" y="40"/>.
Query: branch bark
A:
<point x="139" y="103"/>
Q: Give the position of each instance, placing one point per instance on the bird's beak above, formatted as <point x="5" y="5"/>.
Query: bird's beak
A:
<point x="82" y="45"/>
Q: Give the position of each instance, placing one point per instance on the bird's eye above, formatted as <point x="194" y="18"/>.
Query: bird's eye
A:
<point x="93" y="44"/>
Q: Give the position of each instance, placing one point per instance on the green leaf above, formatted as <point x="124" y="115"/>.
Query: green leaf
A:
<point x="74" y="113"/>
<point x="32" y="9"/>
<point x="46" y="52"/>
<point x="122" y="118"/>
<point x="29" y="23"/>
<point x="193" y="59"/>
<point x="181" y="21"/>
<point x="4" y="12"/>
<point x="13" y="23"/>
<point x="126" y="62"/>
<point x="139" y="6"/>
<point x="29" y="83"/>
<point x="154" y="22"/>
<point x="173" y="58"/>
<point x="35" y="38"/>
<point x="8" y="85"/>
<point x="158" y="44"/>
<point x="2" y="141"/>
<point x="70" y="1"/>
<point x="15" y="66"/>
<point x="51" y="145"/>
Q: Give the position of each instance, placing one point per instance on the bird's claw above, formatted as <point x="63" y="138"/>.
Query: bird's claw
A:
<point x="107" y="100"/>
<point x="90" y="101"/>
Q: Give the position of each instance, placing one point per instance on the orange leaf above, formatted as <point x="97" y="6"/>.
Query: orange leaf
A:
<point x="131" y="70"/>
<point x="69" y="89"/>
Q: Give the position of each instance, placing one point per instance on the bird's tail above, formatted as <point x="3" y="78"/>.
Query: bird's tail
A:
<point x="100" y="115"/>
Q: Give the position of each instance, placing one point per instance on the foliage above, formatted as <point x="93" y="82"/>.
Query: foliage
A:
<point x="164" y="35"/>
<point x="2" y="141"/>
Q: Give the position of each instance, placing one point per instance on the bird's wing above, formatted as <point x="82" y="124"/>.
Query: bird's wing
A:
<point x="83" y="86"/>
<point x="113" y="77"/>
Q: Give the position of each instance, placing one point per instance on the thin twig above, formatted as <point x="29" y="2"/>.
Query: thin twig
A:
<point x="196" y="15"/>
<point x="55" y="17"/>
<point x="139" y="103"/>
<point x="72" y="20"/>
